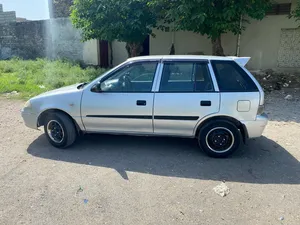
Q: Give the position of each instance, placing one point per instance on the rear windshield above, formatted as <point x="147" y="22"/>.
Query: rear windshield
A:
<point x="232" y="78"/>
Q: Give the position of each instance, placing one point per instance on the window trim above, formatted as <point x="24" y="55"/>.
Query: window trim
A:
<point x="186" y="60"/>
<point x="194" y="61"/>
<point x="239" y="68"/>
<point x="213" y="77"/>
<point x="102" y="79"/>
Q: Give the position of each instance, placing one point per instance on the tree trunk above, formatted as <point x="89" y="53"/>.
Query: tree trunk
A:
<point x="172" y="51"/>
<point x="134" y="49"/>
<point x="217" y="48"/>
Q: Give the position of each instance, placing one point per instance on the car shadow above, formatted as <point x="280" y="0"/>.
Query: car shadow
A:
<point x="261" y="161"/>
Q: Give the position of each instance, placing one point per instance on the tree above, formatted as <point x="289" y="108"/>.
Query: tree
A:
<point x="60" y="8"/>
<point x="129" y="21"/>
<point x="212" y="17"/>
<point x="296" y="12"/>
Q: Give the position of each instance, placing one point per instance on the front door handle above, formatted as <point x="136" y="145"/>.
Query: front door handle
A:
<point x="205" y="103"/>
<point x="141" y="103"/>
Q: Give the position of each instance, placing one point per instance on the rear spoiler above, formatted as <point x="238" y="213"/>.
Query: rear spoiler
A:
<point x="242" y="61"/>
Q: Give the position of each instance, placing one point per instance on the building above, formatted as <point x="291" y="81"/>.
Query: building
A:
<point x="20" y="19"/>
<point x="273" y="42"/>
<point x="59" y="8"/>
<point x="54" y="38"/>
<point x="7" y="17"/>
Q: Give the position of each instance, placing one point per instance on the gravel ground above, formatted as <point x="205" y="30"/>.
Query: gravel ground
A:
<point x="139" y="180"/>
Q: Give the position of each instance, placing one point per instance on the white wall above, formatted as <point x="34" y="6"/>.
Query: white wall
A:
<point x="65" y="39"/>
<point x="260" y="41"/>
<point x="91" y="52"/>
<point x="185" y="42"/>
<point x="119" y="52"/>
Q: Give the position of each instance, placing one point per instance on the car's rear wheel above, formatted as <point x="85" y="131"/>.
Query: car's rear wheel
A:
<point x="60" y="130"/>
<point x="219" y="138"/>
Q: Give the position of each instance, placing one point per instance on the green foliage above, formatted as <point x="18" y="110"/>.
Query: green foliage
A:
<point x="128" y="21"/>
<point x="296" y="12"/>
<point x="30" y="78"/>
<point x="211" y="18"/>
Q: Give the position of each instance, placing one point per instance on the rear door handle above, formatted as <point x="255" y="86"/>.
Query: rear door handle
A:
<point x="141" y="103"/>
<point x="205" y="103"/>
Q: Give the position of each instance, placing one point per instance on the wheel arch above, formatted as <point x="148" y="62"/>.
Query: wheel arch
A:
<point x="236" y="122"/>
<point x="43" y="116"/>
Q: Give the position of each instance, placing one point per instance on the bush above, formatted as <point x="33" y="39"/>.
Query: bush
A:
<point x="32" y="77"/>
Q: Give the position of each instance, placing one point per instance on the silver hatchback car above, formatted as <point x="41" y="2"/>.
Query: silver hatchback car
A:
<point x="213" y="99"/>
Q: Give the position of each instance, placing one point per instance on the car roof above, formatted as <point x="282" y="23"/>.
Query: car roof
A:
<point x="185" y="57"/>
<point x="242" y="61"/>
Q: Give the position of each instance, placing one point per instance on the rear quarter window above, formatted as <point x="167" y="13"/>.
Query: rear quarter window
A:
<point x="232" y="78"/>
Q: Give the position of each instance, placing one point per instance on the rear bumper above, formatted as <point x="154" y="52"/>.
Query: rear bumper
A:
<point x="30" y="119"/>
<point x="256" y="127"/>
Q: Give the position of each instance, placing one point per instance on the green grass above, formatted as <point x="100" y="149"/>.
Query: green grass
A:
<point x="32" y="77"/>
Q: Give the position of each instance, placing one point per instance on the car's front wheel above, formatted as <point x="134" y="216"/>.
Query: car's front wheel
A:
<point x="60" y="130"/>
<point x="219" y="138"/>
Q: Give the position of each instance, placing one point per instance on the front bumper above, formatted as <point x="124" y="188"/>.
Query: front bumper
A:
<point x="256" y="127"/>
<point x="30" y="119"/>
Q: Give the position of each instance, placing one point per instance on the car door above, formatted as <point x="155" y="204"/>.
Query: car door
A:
<point x="123" y="102"/>
<point x="240" y="95"/>
<point x="186" y="94"/>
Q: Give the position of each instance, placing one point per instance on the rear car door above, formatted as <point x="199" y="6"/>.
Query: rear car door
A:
<point x="186" y="94"/>
<point x="125" y="102"/>
<point x="240" y="97"/>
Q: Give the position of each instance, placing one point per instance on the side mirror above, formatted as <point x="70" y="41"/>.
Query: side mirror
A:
<point x="96" y="87"/>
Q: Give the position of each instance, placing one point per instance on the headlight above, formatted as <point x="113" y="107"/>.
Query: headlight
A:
<point x="27" y="104"/>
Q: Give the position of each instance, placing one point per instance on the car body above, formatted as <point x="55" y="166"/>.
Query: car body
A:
<point x="215" y="99"/>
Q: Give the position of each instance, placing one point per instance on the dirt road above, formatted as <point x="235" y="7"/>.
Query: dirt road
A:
<point x="138" y="180"/>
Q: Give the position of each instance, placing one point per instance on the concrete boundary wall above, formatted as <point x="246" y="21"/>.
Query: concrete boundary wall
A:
<point x="54" y="38"/>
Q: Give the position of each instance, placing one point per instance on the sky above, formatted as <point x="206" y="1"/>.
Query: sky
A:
<point x="29" y="9"/>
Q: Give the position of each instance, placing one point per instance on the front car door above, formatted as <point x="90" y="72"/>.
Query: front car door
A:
<point x="186" y="94"/>
<point x="123" y="101"/>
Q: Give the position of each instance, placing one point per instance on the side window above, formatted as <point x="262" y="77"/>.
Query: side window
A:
<point x="137" y="77"/>
<point x="232" y="78"/>
<point x="186" y="77"/>
<point x="203" y="82"/>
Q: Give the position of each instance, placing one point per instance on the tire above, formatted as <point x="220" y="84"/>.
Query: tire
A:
<point x="219" y="138"/>
<point x="60" y="130"/>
